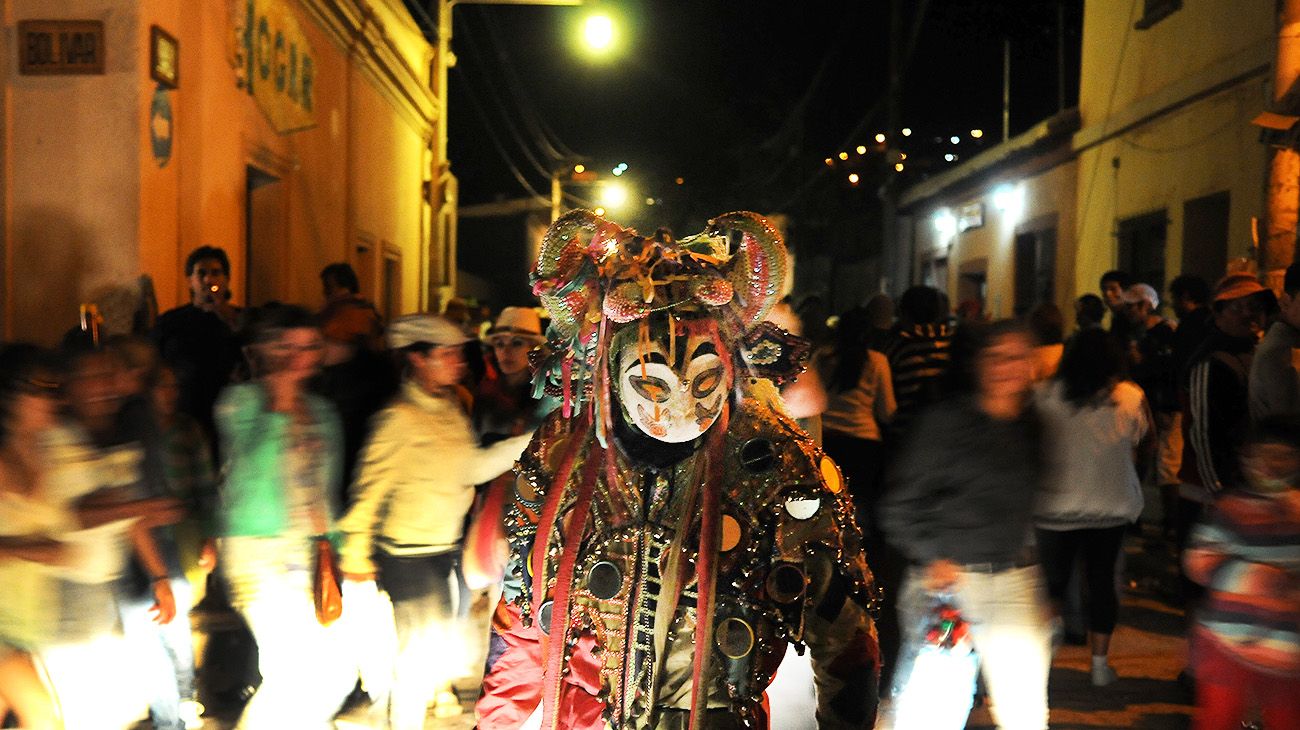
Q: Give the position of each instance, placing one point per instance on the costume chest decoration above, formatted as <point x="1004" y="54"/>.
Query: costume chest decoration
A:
<point x="672" y="529"/>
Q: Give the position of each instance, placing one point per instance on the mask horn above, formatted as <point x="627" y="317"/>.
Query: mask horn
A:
<point x="566" y="275"/>
<point x="757" y="268"/>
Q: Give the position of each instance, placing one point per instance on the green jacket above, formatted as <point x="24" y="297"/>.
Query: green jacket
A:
<point x="253" y="448"/>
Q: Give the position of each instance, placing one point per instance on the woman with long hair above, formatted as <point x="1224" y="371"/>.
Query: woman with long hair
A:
<point x="1095" y="419"/>
<point x="283" y="448"/>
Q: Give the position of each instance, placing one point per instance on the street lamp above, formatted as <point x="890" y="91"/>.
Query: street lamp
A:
<point x="444" y="236"/>
<point x="598" y="32"/>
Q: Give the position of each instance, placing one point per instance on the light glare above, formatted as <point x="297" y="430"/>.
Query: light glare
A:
<point x="598" y="32"/>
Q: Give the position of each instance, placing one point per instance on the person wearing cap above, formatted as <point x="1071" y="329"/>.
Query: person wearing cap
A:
<point x="1153" y="368"/>
<point x="1217" y="395"/>
<point x="414" y="485"/>
<point x="1274" y="384"/>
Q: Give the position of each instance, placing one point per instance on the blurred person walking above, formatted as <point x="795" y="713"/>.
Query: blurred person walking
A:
<point x="1095" y="420"/>
<point x="961" y="509"/>
<point x="1246" y="641"/>
<point x="30" y="523"/>
<point x="282" y="447"/>
<point x="415" y="485"/>
<point x="1274" y="383"/>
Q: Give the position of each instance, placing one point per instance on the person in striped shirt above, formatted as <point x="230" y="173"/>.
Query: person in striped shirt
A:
<point x="1246" y="639"/>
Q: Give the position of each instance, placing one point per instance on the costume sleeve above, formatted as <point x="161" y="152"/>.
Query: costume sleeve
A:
<point x="845" y="658"/>
<point x="837" y="626"/>
<point x="910" y="508"/>
<point x="512" y="676"/>
<point x="377" y="477"/>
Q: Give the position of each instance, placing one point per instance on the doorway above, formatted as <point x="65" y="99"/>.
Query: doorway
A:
<point x="1035" y="269"/>
<point x="1205" y="236"/>
<point x="265" y="255"/>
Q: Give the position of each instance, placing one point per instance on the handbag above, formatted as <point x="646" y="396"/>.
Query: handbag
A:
<point x="325" y="584"/>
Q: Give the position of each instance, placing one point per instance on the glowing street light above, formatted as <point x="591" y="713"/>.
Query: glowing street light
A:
<point x="613" y="195"/>
<point x="907" y="131"/>
<point x="976" y="133"/>
<point x="853" y="178"/>
<point x="598" y="33"/>
<point x="898" y="167"/>
<point x="579" y="168"/>
<point x="862" y="149"/>
<point x="880" y="137"/>
<point x="844" y="155"/>
<point x="829" y="161"/>
<point x="954" y="139"/>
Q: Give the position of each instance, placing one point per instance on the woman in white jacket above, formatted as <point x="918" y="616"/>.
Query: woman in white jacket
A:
<point x="414" y="485"/>
<point x="1096" y="421"/>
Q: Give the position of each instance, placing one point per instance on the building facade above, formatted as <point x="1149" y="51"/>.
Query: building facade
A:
<point x="1159" y="172"/>
<point x="291" y="133"/>
<point x="992" y="230"/>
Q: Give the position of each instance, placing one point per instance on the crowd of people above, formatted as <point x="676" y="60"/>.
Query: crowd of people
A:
<point x="996" y="469"/>
<point x="1017" y="462"/>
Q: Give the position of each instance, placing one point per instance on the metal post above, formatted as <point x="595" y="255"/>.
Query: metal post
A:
<point x="557" y="196"/>
<point x="1006" y="90"/>
<point x="1060" y="56"/>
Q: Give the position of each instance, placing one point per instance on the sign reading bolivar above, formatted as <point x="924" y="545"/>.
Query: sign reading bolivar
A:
<point x="279" y="67"/>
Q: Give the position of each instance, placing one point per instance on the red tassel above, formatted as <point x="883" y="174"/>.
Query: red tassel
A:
<point x="706" y="570"/>
<point x="559" y="635"/>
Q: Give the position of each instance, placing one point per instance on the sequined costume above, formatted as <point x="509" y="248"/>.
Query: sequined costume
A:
<point x="633" y="545"/>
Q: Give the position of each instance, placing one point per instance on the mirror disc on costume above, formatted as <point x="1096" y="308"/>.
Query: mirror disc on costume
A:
<point x="802" y="508"/>
<point x="544" y="617"/>
<point x="735" y="638"/>
<point x="604" y="580"/>
<point x="757" y="455"/>
<point x="730" y="534"/>
<point x="786" y="582"/>
<point x="831" y="475"/>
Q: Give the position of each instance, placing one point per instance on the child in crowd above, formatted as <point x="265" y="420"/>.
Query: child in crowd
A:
<point x="1246" y="642"/>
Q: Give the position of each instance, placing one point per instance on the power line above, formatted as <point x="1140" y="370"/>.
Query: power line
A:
<point x="496" y="142"/>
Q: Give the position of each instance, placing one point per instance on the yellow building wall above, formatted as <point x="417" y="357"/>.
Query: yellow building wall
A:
<point x="1199" y="147"/>
<point x="72" y="203"/>
<point x="90" y="208"/>
<point x="1121" y="65"/>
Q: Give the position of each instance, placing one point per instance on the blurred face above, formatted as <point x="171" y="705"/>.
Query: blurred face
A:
<point x="438" y="369"/>
<point x="209" y="283"/>
<point x="36" y="409"/>
<point x="292" y="353"/>
<point x="1271" y="468"/>
<point x="166" y="393"/>
<point x="1138" y="311"/>
<point x="1242" y="317"/>
<point x="1112" y="293"/>
<point x="672" y="401"/>
<point x="511" y="352"/>
<point x="1005" y="368"/>
<point x="93" y="391"/>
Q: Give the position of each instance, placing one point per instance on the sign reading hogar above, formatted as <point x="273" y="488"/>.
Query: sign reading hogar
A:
<point x="280" y="68"/>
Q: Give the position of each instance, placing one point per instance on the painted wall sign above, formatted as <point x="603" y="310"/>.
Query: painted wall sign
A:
<point x="280" y="68"/>
<point x="60" y="47"/>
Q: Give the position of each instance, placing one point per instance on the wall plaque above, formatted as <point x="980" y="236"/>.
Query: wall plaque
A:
<point x="60" y="47"/>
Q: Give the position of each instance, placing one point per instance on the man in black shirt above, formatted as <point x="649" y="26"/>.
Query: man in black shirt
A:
<point x="198" y="339"/>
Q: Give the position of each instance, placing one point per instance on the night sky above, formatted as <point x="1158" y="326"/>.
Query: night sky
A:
<point x="743" y="100"/>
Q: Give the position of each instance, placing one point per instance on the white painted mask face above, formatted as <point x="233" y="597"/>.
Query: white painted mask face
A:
<point x="672" y="401"/>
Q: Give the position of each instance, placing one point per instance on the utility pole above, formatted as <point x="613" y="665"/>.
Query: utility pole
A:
<point x="1284" y="169"/>
<point x="1060" y="56"/>
<point x="896" y="270"/>
<point x="1006" y="89"/>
